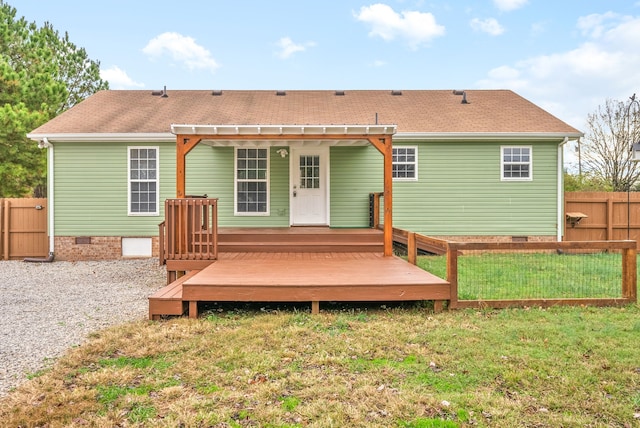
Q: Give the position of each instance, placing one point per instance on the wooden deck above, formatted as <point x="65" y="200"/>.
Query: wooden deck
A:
<point x="298" y="277"/>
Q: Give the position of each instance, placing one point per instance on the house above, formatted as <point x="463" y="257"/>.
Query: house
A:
<point x="472" y="165"/>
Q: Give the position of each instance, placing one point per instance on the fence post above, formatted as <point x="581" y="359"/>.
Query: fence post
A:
<point x="610" y="218"/>
<point x="452" y="275"/>
<point x="629" y="274"/>
<point x="7" y="215"/>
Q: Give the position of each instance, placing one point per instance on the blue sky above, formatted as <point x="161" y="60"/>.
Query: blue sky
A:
<point x="568" y="56"/>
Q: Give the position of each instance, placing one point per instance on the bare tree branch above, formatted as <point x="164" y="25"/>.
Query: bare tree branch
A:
<point x="611" y="132"/>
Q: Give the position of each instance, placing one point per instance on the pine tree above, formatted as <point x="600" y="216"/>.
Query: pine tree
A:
<point x="42" y="74"/>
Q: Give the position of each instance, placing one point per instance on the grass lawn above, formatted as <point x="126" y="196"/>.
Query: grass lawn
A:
<point x="521" y="275"/>
<point x="348" y="367"/>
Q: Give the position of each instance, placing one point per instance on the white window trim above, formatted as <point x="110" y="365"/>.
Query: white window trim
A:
<point x="235" y="184"/>
<point x="157" y="181"/>
<point x="502" y="177"/>
<point x="415" y="148"/>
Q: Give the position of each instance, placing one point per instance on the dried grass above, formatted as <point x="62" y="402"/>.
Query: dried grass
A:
<point x="352" y="367"/>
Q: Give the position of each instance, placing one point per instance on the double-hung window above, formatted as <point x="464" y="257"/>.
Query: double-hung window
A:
<point x="405" y="164"/>
<point x="516" y="163"/>
<point x="252" y="182"/>
<point x="143" y="181"/>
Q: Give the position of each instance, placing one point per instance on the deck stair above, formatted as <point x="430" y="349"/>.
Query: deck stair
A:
<point x="168" y="300"/>
<point x="299" y="240"/>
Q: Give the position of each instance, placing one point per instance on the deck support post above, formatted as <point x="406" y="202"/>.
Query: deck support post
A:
<point x="315" y="308"/>
<point x="193" y="309"/>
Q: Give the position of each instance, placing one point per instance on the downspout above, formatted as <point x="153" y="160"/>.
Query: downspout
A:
<point x="46" y="144"/>
<point x="51" y="199"/>
<point x="560" y="185"/>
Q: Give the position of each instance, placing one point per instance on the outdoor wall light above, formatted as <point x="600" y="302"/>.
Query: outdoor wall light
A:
<point x="283" y="153"/>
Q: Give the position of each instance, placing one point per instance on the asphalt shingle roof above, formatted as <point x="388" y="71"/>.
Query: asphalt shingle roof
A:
<point x="415" y="111"/>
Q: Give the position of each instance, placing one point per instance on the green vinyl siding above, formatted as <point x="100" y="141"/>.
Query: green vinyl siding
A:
<point x="355" y="172"/>
<point x="210" y="171"/>
<point x="460" y="192"/>
<point x="91" y="188"/>
<point x="90" y="191"/>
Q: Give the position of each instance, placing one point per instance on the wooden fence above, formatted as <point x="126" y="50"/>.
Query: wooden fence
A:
<point x="23" y="228"/>
<point x="610" y="216"/>
<point x="453" y="250"/>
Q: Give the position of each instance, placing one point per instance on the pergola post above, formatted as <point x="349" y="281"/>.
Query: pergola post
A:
<point x="384" y="146"/>
<point x="184" y="144"/>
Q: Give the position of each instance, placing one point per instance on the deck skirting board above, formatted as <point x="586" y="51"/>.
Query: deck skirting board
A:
<point x="348" y="293"/>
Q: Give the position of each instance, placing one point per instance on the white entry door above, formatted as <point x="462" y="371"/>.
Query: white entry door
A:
<point x="309" y="186"/>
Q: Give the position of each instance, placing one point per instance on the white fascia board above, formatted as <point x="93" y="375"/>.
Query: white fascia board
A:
<point x="489" y="136"/>
<point x="187" y="129"/>
<point x="105" y="137"/>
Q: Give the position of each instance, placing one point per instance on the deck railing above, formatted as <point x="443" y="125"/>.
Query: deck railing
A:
<point x="374" y="209"/>
<point x="190" y="230"/>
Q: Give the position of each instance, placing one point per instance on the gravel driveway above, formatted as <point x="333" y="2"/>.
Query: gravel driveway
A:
<point x="46" y="308"/>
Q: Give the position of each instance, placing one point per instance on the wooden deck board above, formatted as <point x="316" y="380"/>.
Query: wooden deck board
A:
<point x="299" y="277"/>
<point x="314" y="277"/>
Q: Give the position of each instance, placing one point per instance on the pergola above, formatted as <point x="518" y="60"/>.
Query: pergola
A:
<point x="380" y="136"/>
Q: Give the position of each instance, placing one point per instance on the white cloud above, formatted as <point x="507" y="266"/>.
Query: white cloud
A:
<point x="418" y="28"/>
<point x="288" y="47"/>
<point x="596" y="24"/>
<point x="182" y="49"/>
<point x="507" y="5"/>
<point x="490" y="26"/>
<point x="572" y="83"/>
<point x="379" y="63"/>
<point x="118" y="78"/>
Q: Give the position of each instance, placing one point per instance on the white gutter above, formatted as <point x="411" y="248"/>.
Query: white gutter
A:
<point x="482" y="136"/>
<point x="151" y="137"/>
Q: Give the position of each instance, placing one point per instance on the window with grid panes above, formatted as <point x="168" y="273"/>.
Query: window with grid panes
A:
<point x="252" y="194"/>
<point x="143" y="180"/>
<point x="309" y="172"/>
<point x="516" y="163"/>
<point x="405" y="163"/>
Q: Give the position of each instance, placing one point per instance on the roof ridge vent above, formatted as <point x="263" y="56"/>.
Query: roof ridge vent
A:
<point x="216" y="92"/>
<point x="162" y="93"/>
<point x="339" y="93"/>
<point x="396" y="92"/>
<point x="281" y="93"/>
<point x="464" y="96"/>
